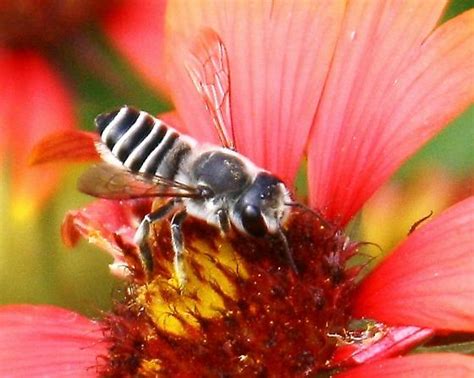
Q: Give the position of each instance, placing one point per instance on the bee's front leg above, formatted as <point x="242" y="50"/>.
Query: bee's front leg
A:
<point x="177" y="241"/>
<point x="287" y="250"/>
<point x="143" y="232"/>
<point x="223" y="219"/>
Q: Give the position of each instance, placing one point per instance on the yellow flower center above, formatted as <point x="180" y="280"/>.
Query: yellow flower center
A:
<point x="211" y="272"/>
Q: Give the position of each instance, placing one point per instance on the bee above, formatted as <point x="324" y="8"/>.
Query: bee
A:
<point x="144" y="157"/>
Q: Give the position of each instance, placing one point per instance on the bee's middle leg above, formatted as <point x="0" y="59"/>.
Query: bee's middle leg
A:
<point x="177" y="241"/>
<point x="143" y="231"/>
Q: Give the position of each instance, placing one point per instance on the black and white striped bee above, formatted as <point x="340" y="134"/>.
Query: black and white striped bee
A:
<point x="143" y="156"/>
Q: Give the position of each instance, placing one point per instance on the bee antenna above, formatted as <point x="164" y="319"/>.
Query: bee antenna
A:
<point x="312" y="211"/>
<point x="286" y="247"/>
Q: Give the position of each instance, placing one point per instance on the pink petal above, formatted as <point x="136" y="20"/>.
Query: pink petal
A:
<point x="34" y="102"/>
<point x="172" y="118"/>
<point x="39" y="341"/>
<point x="428" y="280"/>
<point x="417" y="366"/>
<point x="136" y="28"/>
<point x="393" y="341"/>
<point x="392" y="87"/>
<point x="279" y="55"/>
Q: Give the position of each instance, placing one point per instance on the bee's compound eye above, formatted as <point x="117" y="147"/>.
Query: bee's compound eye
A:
<point x="253" y="221"/>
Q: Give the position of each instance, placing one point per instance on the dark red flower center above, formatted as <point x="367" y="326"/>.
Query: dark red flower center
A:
<point x="244" y="310"/>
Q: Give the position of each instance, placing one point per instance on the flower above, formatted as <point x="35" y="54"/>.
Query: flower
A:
<point x="36" y="98"/>
<point x="34" y="103"/>
<point x="59" y="342"/>
<point x="377" y="83"/>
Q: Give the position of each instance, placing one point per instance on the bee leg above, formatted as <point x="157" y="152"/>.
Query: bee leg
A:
<point x="178" y="246"/>
<point x="223" y="219"/>
<point x="143" y="231"/>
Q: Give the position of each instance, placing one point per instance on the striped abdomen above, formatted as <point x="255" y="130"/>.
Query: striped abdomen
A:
<point x="143" y="143"/>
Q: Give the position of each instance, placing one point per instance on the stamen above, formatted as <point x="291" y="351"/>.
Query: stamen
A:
<point x="418" y="222"/>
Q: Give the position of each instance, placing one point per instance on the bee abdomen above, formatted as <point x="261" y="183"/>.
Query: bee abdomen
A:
<point x="141" y="142"/>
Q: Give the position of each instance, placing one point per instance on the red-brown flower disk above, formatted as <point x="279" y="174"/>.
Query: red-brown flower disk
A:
<point x="243" y="309"/>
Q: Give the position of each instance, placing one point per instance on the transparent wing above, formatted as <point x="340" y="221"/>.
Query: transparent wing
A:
<point x="208" y="68"/>
<point x="108" y="181"/>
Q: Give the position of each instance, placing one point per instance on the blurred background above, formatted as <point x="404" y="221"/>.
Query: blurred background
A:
<point x="64" y="62"/>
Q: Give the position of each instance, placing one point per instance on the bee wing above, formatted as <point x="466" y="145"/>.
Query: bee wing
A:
<point x="108" y="181"/>
<point x="208" y="68"/>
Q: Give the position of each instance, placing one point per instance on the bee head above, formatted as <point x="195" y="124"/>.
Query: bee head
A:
<point x="261" y="209"/>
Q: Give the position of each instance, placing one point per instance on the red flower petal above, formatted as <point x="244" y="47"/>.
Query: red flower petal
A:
<point x="428" y="280"/>
<point x="111" y="225"/>
<point x="48" y="341"/>
<point x="391" y="87"/>
<point x="279" y="54"/>
<point x="70" y="145"/>
<point x="136" y="28"/>
<point x="33" y="103"/>
<point x="394" y="341"/>
<point x="418" y="366"/>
